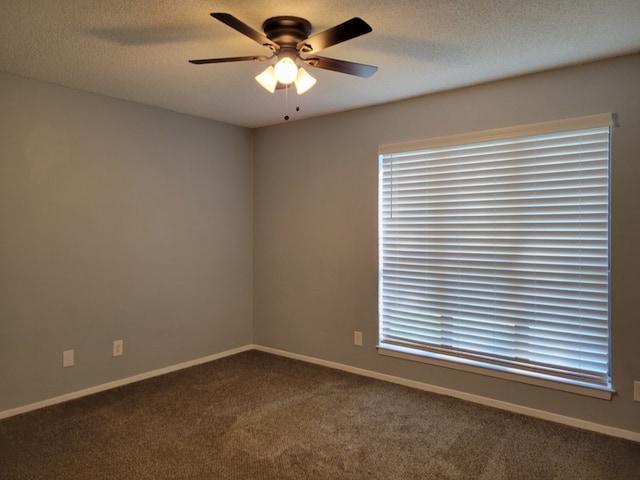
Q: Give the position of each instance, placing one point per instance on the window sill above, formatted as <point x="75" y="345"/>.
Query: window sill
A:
<point x="530" y="378"/>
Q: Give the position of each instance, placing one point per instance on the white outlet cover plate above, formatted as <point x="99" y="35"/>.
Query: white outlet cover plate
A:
<point x="118" y="348"/>
<point x="67" y="358"/>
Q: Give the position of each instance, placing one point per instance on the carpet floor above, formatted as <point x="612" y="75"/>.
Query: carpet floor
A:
<point x="260" y="416"/>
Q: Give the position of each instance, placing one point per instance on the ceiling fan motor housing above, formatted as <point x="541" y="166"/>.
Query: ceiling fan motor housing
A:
<point x="287" y="31"/>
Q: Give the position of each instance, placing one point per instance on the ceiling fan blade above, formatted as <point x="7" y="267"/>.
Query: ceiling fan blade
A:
<point x="245" y="29"/>
<point x="256" y="58"/>
<point x="342" y="66"/>
<point x="340" y="33"/>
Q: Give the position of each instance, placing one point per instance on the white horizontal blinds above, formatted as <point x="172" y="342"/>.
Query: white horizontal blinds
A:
<point x="497" y="251"/>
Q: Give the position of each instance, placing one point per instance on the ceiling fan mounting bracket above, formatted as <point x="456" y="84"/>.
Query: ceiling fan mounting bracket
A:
<point x="286" y="31"/>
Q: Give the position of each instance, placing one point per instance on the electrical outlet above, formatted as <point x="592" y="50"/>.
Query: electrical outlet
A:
<point x="636" y="391"/>
<point x="67" y="358"/>
<point x="357" y="338"/>
<point x="118" y="348"/>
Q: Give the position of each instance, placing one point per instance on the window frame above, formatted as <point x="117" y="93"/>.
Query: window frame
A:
<point x="470" y="365"/>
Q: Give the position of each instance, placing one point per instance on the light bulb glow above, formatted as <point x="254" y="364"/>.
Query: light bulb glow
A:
<point x="286" y="71"/>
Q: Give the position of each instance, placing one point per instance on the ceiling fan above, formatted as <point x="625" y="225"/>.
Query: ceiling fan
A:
<point x="288" y="39"/>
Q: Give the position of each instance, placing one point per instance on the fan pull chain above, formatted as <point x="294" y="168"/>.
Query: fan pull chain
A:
<point x="286" y="103"/>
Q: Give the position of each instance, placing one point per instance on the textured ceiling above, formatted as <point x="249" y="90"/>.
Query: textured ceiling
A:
<point x="138" y="49"/>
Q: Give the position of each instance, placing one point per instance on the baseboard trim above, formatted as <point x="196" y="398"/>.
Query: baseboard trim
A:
<point x="490" y="402"/>
<point x="118" y="383"/>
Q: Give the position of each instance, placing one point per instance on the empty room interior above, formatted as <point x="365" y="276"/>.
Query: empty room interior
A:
<point x="158" y="216"/>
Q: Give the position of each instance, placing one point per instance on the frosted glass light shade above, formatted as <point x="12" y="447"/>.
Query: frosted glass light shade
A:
<point x="304" y="81"/>
<point x="286" y="71"/>
<point x="268" y="79"/>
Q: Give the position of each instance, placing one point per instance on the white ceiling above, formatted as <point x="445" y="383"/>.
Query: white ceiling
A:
<point x="138" y="49"/>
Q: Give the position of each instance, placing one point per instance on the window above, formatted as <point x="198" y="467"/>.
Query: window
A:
<point x="494" y="253"/>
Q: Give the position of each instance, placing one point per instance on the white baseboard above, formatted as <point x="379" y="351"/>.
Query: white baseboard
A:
<point x="511" y="407"/>
<point x="118" y="383"/>
<point x="490" y="402"/>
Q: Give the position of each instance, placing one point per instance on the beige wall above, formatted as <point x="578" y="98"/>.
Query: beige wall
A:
<point x="315" y="230"/>
<point x="117" y="221"/>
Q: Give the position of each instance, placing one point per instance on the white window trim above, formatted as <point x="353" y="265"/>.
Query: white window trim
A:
<point x="591" y="121"/>
<point x="497" y="372"/>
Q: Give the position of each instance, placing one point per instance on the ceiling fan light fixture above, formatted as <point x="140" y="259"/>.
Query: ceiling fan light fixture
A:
<point x="304" y="81"/>
<point x="267" y="79"/>
<point x="286" y="71"/>
<point x="288" y="37"/>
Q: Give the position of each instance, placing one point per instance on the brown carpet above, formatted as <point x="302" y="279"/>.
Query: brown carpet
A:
<point x="259" y="416"/>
